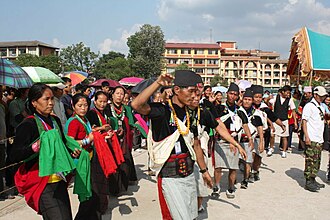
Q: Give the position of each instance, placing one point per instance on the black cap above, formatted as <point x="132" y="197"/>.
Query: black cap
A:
<point x="248" y="93"/>
<point x="186" y="78"/>
<point x="233" y="87"/>
<point x="257" y="89"/>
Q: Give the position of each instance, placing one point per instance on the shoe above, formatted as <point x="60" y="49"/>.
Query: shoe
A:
<point x="230" y="193"/>
<point x="216" y="192"/>
<point x="244" y="184"/>
<point x="311" y="186"/>
<point x="256" y="176"/>
<point x="251" y="178"/>
<point x="319" y="185"/>
<point x="201" y="209"/>
<point x="10" y="196"/>
<point x="281" y="148"/>
<point x="270" y="152"/>
<point x="283" y="154"/>
<point x="289" y="150"/>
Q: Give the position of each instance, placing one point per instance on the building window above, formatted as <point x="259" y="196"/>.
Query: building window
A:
<point x="199" y="70"/>
<point x="33" y="50"/>
<point x="276" y="66"/>
<point x="276" y="74"/>
<point x="172" y="51"/>
<point x="3" y="52"/>
<point x="213" y="62"/>
<point x="199" y="61"/>
<point x="213" y="71"/>
<point x="186" y="61"/>
<point x="283" y="74"/>
<point x="267" y="81"/>
<point x="199" y="51"/>
<point x="172" y="61"/>
<point x="267" y="74"/>
<point x="21" y="50"/>
<point x="276" y="81"/>
<point x="213" y="52"/>
<point x="12" y="52"/>
<point x="267" y="67"/>
<point x="185" y="51"/>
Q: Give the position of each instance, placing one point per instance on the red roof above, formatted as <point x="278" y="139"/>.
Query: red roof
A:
<point x="192" y="46"/>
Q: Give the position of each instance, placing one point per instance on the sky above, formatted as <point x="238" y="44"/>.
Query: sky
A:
<point x="104" y="25"/>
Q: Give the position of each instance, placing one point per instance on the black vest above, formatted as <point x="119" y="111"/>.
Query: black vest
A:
<point x="281" y="110"/>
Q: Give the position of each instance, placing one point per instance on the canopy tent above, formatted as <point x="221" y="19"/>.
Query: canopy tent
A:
<point x="310" y="55"/>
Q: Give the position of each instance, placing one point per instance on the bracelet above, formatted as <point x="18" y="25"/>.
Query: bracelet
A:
<point x="203" y="170"/>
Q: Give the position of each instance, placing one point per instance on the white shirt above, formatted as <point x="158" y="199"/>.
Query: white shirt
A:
<point x="292" y="106"/>
<point x="315" y="124"/>
<point x="59" y="111"/>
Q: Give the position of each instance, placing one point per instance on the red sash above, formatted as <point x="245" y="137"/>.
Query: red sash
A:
<point x="162" y="202"/>
<point x="104" y="154"/>
<point x="28" y="182"/>
<point x="114" y="143"/>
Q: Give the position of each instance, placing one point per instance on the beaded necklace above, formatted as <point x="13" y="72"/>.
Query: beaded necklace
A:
<point x="120" y="116"/>
<point x="176" y="119"/>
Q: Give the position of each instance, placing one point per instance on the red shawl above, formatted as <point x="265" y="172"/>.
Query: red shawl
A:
<point x="29" y="184"/>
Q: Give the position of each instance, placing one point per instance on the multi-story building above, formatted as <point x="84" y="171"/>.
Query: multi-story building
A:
<point x="11" y="50"/>
<point x="229" y="63"/>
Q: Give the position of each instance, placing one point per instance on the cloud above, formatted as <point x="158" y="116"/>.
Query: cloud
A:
<point x="56" y="43"/>
<point x="119" y="45"/>
<point x="208" y="17"/>
<point x="250" y="23"/>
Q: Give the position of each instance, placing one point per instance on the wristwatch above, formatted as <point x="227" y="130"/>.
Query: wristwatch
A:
<point x="203" y="170"/>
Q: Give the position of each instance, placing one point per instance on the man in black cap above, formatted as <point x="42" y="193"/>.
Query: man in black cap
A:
<point x="225" y="155"/>
<point x="170" y="144"/>
<point x="252" y="117"/>
<point x="268" y="117"/>
<point x="202" y="121"/>
<point x="282" y="103"/>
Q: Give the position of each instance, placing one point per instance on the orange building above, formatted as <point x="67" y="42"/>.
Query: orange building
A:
<point x="224" y="59"/>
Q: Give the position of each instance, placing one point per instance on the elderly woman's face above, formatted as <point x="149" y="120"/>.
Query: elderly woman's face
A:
<point x="44" y="105"/>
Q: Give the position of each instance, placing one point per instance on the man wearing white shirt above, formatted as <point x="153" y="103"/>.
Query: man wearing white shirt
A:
<point x="59" y="109"/>
<point x="281" y="105"/>
<point x="313" y="127"/>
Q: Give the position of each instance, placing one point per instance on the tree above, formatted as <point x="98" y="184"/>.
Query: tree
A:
<point x="78" y="57"/>
<point x="113" y="65"/>
<point x="51" y="62"/>
<point x="217" y="80"/>
<point x="146" y="48"/>
<point x="182" y="66"/>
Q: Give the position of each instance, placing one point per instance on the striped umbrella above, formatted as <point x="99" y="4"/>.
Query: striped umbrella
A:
<point x="77" y="71"/>
<point x="13" y="76"/>
<point x="76" y="78"/>
<point x="43" y="75"/>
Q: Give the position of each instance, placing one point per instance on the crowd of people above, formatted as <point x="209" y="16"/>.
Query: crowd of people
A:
<point x="85" y="136"/>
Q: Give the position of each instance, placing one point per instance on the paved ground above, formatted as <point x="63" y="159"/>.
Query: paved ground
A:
<point x="279" y="195"/>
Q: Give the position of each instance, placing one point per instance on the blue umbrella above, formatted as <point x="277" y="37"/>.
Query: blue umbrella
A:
<point x="13" y="76"/>
<point x="219" y="88"/>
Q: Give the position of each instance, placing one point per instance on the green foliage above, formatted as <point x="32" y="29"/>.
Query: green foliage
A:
<point x="218" y="80"/>
<point x="113" y="65"/>
<point x="182" y="66"/>
<point x="78" y="57"/>
<point x="51" y="62"/>
<point x="314" y="83"/>
<point x="146" y="48"/>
